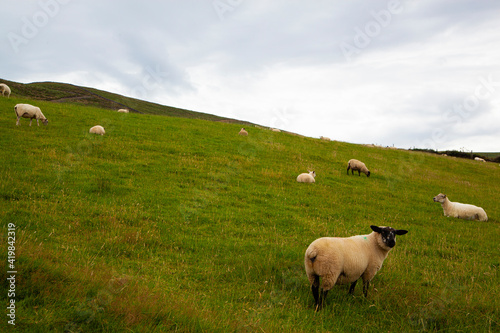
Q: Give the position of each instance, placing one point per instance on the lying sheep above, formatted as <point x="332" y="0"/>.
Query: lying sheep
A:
<point x="275" y="130"/>
<point x="339" y="260"/>
<point x="123" y="110"/>
<point x="307" y="177"/>
<point x="5" y="89"/>
<point x="98" y="129"/>
<point x="460" y="210"/>
<point x="243" y="132"/>
<point x="359" y="166"/>
<point x="31" y="112"/>
<point x="479" y="159"/>
<point x="324" y="138"/>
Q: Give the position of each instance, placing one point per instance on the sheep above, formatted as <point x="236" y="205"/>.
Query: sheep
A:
<point x="479" y="159"/>
<point x="307" y="177"/>
<point x="359" y="166"/>
<point x="31" y="112"/>
<point x="324" y="138"/>
<point x="98" y="129"/>
<point x="275" y="130"/>
<point x="243" y="132"/>
<point x="123" y="110"/>
<point x="460" y="210"/>
<point x="338" y="260"/>
<point x="5" y="89"/>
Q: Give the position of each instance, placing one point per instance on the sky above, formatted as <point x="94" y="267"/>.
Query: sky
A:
<point x="404" y="73"/>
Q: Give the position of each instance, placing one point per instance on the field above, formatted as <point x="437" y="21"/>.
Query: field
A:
<point x="179" y="224"/>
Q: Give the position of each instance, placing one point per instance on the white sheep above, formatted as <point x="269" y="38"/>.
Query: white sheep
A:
<point x="359" y="166"/>
<point x="307" y="177"/>
<point x="98" y="129"/>
<point x="31" y="112"/>
<point x="123" y="110"/>
<point x="275" y="130"/>
<point x="338" y="260"/>
<point x="5" y="89"/>
<point x="243" y="132"/>
<point x="460" y="210"/>
<point x="479" y="159"/>
<point x="324" y="138"/>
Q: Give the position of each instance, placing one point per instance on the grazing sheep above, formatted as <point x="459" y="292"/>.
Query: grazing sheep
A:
<point x="479" y="159"/>
<point x="31" y="112"/>
<point x="460" y="210"/>
<point x="275" y="130"/>
<point x="359" y="166"/>
<point x="324" y="138"/>
<point x="243" y="132"/>
<point x="123" y="110"/>
<point x="338" y="260"/>
<point x="5" y="89"/>
<point x="98" y="129"/>
<point x="307" y="177"/>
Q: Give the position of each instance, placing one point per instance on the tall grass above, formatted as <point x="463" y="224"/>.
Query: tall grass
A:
<point x="180" y="224"/>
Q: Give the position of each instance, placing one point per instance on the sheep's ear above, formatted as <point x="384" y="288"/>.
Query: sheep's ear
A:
<point x="375" y="228"/>
<point x="401" y="232"/>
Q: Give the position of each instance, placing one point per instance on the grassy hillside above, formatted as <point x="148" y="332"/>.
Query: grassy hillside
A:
<point x="180" y="224"/>
<point x="83" y="96"/>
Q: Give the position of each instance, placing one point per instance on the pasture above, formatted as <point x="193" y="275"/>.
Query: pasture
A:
<point x="179" y="224"/>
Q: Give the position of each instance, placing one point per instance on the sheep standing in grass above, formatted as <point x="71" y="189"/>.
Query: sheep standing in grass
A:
<point x="243" y="132"/>
<point x="307" y="177"/>
<point x="359" y="166"/>
<point x="31" y="112"/>
<point x="324" y="138"/>
<point x="479" y="159"/>
<point x="98" y="129"/>
<point x="337" y="260"/>
<point x="5" y="89"/>
<point x="123" y="110"/>
<point x="460" y="210"/>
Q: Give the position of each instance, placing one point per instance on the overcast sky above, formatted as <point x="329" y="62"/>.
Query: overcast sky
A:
<point x="409" y="73"/>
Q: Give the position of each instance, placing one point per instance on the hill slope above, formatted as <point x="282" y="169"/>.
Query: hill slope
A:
<point x="68" y="93"/>
<point x="170" y="223"/>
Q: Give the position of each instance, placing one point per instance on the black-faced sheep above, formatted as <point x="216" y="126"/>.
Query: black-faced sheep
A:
<point x="355" y="165"/>
<point x="337" y="260"/>
<point x="31" y="112"/>
<point x="460" y="210"/>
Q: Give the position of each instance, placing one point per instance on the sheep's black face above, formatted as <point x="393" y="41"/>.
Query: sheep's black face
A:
<point x="388" y="235"/>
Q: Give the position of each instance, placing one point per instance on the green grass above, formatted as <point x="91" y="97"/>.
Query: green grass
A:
<point x="178" y="224"/>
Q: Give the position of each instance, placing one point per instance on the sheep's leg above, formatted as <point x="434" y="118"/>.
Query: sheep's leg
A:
<point x="315" y="289"/>
<point x="353" y="285"/>
<point x="321" y="300"/>
<point x="17" y="122"/>
<point x="348" y="170"/>
<point x="319" y="295"/>
<point x="366" y="284"/>
<point x="31" y="121"/>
